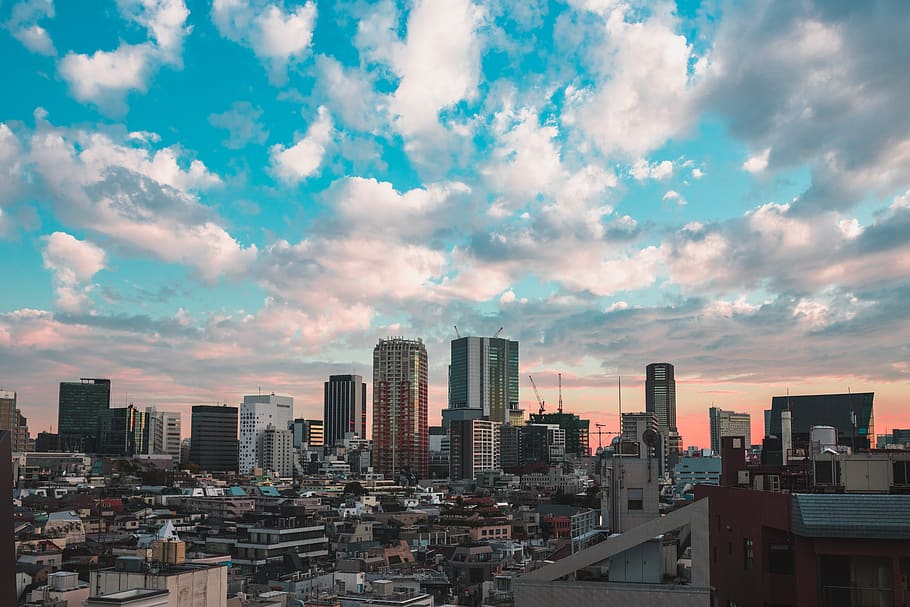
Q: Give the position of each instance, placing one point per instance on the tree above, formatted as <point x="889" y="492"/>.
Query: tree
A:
<point x="354" y="488"/>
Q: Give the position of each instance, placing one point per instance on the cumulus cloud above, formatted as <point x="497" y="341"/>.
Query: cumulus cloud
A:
<point x="647" y="88"/>
<point x="23" y="25"/>
<point x="278" y="37"/>
<point x="303" y="159"/>
<point x="143" y="201"/>
<point x="73" y="263"/>
<point x="675" y="197"/>
<point x="352" y="95"/>
<point x="757" y="163"/>
<point x="642" y="170"/>
<point x="105" y="78"/>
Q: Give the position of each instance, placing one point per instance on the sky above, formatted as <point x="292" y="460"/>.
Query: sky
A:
<point x="202" y="199"/>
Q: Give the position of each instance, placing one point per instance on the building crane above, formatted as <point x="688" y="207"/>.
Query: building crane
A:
<point x="560" y="393"/>
<point x="457" y="334"/>
<point x="537" y="394"/>
<point x="600" y="434"/>
<point x="498" y="333"/>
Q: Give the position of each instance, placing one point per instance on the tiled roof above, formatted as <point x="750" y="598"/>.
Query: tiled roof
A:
<point x="861" y="516"/>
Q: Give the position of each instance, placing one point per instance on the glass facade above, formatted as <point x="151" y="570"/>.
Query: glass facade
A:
<point x="80" y="404"/>
<point x="483" y="375"/>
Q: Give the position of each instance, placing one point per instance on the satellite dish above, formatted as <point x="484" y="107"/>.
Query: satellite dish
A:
<point x="649" y="437"/>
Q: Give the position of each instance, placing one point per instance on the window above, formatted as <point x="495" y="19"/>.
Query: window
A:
<point x="748" y="554"/>
<point x="902" y="473"/>
<point x="635" y="499"/>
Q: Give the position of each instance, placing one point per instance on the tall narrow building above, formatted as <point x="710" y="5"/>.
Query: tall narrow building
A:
<point x="213" y="438"/>
<point x="257" y="412"/>
<point x="400" y="434"/>
<point x="345" y="407"/>
<point x="483" y="380"/>
<point x="660" y="395"/>
<point x="12" y="420"/>
<point x="79" y="406"/>
<point x="474" y="447"/>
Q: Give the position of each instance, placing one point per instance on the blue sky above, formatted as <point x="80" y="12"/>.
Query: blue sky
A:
<point x="199" y="198"/>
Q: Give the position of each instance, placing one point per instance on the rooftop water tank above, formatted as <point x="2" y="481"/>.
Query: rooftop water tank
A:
<point x="825" y="436"/>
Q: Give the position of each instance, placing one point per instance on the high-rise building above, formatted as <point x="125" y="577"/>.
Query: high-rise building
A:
<point x="256" y="413"/>
<point x="310" y="432"/>
<point x="483" y="380"/>
<point x="510" y="447"/>
<point x="12" y="420"/>
<point x="473" y="447"/>
<point x="728" y="423"/>
<point x="162" y="433"/>
<point x="542" y="444"/>
<point x="400" y="435"/>
<point x="79" y="406"/>
<point x="121" y="431"/>
<point x="276" y="451"/>
<point x="850" y="414"/>
<point x="660" y="394"/>
<point x="213" y="438"/>
<point x="439" y="451"/>
<point x="345" y="407"/>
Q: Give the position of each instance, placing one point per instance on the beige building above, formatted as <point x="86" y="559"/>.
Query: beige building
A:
<point x="187" y="585"/>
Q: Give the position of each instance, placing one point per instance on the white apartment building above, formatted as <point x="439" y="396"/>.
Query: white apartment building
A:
<point x="257" y="412"/>
<point x="276" y="451"/>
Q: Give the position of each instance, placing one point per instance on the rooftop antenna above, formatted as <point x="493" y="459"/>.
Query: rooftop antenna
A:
<point x="560" y="393"/>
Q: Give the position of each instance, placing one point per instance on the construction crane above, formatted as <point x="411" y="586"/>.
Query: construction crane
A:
<point x="560" y="393"/>
<point x="600" y="434"/>
<point x="537" y="394"/>
<point x="498" y="333"/>
<point x="457" y="334"/>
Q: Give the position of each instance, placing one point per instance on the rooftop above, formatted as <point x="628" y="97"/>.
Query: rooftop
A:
<point x="862" y="516"/>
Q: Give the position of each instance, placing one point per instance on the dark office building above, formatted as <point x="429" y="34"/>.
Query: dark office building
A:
<point x="121" y="432"/>
<point x="577" y="430"/>
<point x="213" y="441"/>
<point x="510" y="447"/>
<point x="345" y="408"/>
<point x="80" y="405"/>
<point x="660" y="394"/>
<point x="850" y="414"/>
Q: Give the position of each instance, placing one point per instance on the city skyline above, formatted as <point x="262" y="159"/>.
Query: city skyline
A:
<point x="722" y="186"/>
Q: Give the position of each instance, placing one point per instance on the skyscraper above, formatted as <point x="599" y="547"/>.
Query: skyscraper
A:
<point x="80" y="405"/>
<point x="851" y="414"/>
<point x="660" y="394"/>
<point x="483" y="379"/>
<point x="213" y="439"/>
<point x="256" y="413"/>
<point x="400" y="435"/>
<point x="728" y="423"/>
<point x="345" y="407"/>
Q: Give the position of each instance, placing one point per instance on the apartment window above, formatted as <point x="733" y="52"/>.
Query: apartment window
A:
<point x="635" y="499"/>
<point x="748" y="554"/>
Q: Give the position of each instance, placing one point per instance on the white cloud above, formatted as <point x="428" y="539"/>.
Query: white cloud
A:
<point x="526" y="161"/>
<point x="697" y="173"/>
<point x="301" y="160"/>
<point x="73" y="262"/>
<point x="352" y="95"/>
<point x="11" y="156"/>
<point x="674" y="196"/>
<point x="141" y="200"/>
<point x="850" y="228"/>
<point x="757" y="163"/>
<point x="438" y="65"/>
<point x="105" y="78"/>
<point x="642" y="170"/>
<point x="277" y="37"/>
<point x="647" y="93"/>
<point x="23" y="25"/>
